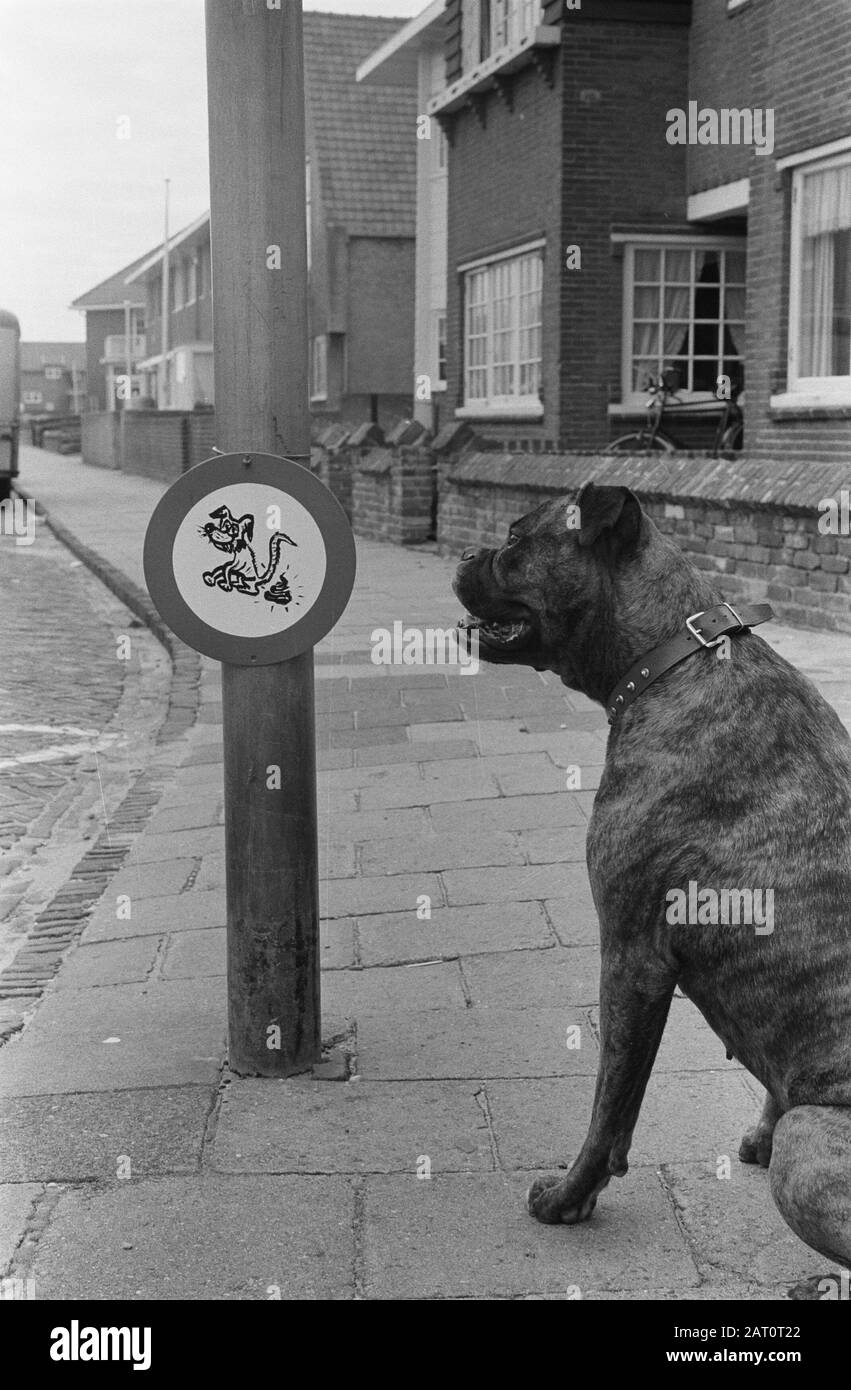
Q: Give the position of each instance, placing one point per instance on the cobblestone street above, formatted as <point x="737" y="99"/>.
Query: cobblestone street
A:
<point x="68" y="685"/>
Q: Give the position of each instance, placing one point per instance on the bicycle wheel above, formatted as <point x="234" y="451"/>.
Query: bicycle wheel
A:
<point x="640" y="442"/>
<point x="732" y="440"/>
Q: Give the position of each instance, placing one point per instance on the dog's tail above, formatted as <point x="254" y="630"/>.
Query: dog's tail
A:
<point x="275" y="544"/>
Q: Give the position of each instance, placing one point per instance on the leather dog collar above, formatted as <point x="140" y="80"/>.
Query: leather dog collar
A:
<point x="714" y="624"/>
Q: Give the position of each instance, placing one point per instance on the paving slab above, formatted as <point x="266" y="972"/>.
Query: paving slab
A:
<point x="191" y="843"/>
<point x="477" y="1043"/>
<point x="436" y="751"/>
<point x="165" y="1032"/>
<point x="513" y="813"/>
<point x="361" y="1126"/>
<point x="103" y="1134"/>
<point x="109" y="963"/>
<point x="469" y="1236"/>
<point x="395" y="937"/>
<point x="16" y="1204"/>
<point x="440" y="850"/>
<point x="497" y="885"/>
<point x="208" y="1237"/>
<point x="685" y="1116"/>
<point x="734" y="1229"/>
<point x="192" y="954"/>
<point x="174" y="912"/>
<point x="533" y="979"/>
<point x="351" y="897"/>
<point x="152" y="880"/>
<point x="403" y="989"/>
<point x="177" y="818"/>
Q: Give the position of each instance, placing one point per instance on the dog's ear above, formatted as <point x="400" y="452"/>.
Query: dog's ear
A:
<point x="246" y="524"/>
<point x="218" y="513"/>
<point x="612" y="511"/>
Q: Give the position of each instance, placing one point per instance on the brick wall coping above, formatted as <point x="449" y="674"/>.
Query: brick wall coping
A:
<point x="670" y="477"/>
<point x="377" y="461"/>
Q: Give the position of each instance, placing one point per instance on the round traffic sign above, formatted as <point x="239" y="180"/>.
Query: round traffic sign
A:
<point x="249" y="558"/>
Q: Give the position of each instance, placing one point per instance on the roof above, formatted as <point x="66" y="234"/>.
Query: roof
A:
<point x="111" y="293"/>
<point x="396" y="59"/>
<point x="185" y="233"/>
<point x="8" y="320"/>
<point x="34" y="356"/>
<point x="362" y="137"/>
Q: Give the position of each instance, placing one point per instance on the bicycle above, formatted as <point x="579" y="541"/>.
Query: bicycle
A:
<point x="651" y="438"/>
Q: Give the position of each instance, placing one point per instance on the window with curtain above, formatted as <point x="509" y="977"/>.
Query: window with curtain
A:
<point x="319" y="368"/>
<point x="490" y="25"/>
<point x="821" y="263"/>
<point x="685" y="309"/>
<point x="502" y="332"/>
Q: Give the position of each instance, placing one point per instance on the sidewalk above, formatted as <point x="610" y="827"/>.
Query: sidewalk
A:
<point x="132" y="1165"/>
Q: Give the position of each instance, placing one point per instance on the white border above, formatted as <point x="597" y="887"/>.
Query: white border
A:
<point x="520" y="250"/>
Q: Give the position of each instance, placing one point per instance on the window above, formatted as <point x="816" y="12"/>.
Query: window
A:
<point x="192" y="279"/>
<point x="53" y="373"/>
<point x="33" y="398"/>
<point x="441" y="349"/>
<point x="201" y="272"/>
<point x="820" y="291"/>
<point x="319" y="368"/>
<point x="684" y="307"/>
<point x="502" y="333"/>
<point x="490" y="25"/>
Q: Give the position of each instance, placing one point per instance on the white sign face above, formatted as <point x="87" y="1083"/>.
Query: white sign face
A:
<point x="248" y="560"/>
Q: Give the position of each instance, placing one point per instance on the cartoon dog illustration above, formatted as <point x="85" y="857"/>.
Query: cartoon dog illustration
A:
<point x="241" y="573"/>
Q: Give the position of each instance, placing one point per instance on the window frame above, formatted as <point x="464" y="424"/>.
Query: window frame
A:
<point x="32" y="397"/>
<point x="830" y="390"/>
<point x="319" y="377"/>
<point x="493" y="405"/>
<point x="54" y="373"/>
<point x="630" y="398"/>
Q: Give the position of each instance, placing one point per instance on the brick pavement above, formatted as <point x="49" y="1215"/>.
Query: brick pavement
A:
<point x="460" y="962"/>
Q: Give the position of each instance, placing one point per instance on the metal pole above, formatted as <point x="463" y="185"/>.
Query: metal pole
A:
<point x="259" y="268"/>
<point x="165" y="396"/>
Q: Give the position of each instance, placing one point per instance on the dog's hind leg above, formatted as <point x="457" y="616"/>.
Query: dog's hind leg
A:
<point x="810" y="1174"/>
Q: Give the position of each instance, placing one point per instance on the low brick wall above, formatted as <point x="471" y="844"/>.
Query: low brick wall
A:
<point x="158" y="444"/>
<point x="99" y="439"/>
<point x="334" y="469"/>
<point x="393" y="494"/>
<point x="753" y="526"/>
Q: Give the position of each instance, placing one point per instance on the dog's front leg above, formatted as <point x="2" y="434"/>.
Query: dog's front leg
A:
<point x="634" y="1005"/>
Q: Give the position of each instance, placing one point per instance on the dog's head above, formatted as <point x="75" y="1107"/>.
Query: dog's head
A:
<point x="574" y="583"/>
<point x="227" y="532"/>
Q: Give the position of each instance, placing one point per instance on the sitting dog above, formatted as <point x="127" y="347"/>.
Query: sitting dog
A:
<point x="241" y="572"/>
<point x="732" y="773"/>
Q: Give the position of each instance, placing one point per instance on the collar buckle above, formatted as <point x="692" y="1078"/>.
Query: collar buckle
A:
<point x="714" y="641"/>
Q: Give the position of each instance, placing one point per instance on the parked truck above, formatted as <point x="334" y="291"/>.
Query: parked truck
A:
<point x="10" y="382"/>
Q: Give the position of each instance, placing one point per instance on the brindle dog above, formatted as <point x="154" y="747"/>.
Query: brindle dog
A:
<point x="732" y="773"/>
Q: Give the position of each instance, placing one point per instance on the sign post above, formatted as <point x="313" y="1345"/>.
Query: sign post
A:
<point x="248" y="556"/>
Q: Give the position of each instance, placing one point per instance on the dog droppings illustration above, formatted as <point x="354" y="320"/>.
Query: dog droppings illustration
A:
<point x="241" y="572"/>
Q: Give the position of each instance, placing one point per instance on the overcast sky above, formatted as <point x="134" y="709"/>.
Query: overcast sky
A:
<point x="77" y="200"/>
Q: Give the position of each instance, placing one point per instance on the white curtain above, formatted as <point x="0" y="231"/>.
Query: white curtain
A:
<point x="817" y="306"/>
<point x="827" y="201"/>
<point x="469" y="34"/>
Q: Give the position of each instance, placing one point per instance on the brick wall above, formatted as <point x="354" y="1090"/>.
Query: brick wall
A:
<point x="755" y="532"/>
<point x="393" y="494"/>
<point x="152" y="443"/>
<point x="100" y="441"/>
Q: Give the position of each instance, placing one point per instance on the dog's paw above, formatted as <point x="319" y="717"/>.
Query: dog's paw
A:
<point x="554" y="1200"/>
<point x="756" y="1146"/>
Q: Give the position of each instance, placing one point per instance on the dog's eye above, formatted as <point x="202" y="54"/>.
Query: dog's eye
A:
<point x="513" y="538"/>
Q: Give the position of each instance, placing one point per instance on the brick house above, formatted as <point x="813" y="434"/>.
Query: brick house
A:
<point x="587" y="251"/>
<point x="414" y="55"/>
<point x="106" y="355"/>
<point x="53" y="378"/>
<point x="361" y="172"/>
<point x="180" y="377"/>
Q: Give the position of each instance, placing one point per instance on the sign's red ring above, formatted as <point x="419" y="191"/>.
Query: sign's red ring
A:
<point x="293" y="480"/>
